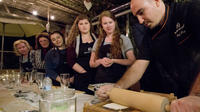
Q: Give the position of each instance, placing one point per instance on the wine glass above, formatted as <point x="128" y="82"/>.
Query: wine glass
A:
<point x="65" y="80"/>
<point x="18" y="79"/>
<point x="39" y="79"/>
<point x="29" y="77"/>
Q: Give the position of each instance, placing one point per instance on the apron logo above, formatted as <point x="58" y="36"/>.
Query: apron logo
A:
<point x="89" y="49"/>
<point x="178" y="25"/>
<point x="108" y="55"/>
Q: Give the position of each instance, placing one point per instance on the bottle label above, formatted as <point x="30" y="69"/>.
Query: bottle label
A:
<point x="47" y="88"/>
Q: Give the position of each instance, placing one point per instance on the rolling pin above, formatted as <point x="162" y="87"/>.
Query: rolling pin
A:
<point x="142" y="101"/>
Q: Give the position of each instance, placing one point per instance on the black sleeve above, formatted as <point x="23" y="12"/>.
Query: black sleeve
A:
<point x="193" y="17"/>
<point x="138" y="31"/>
<point x="194" y="20"/>
<point x="145" y="49"/>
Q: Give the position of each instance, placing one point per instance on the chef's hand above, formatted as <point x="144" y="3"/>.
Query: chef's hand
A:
<point x="103" y="91"/>
<point x="186" y="104"/>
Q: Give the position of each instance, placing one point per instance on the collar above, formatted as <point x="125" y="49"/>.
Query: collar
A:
<point x="163" y="22"/>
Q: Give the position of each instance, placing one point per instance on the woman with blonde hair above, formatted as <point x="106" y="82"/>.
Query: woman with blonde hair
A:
<point x="112" y="53"/>
<point x="80" y="42"/>
<point x="23" y="49"/>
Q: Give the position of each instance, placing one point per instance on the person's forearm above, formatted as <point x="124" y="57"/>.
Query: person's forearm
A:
<point x="78" y="68"/>
<point x="129" y="78"/>
<point x="195" y="90"/>
<point x="94" y="61"/>
<point x="58" y="79"/>
<point x="133" y="74"/>
<point x="95" y="64"/>
<point x="125" y="62"/>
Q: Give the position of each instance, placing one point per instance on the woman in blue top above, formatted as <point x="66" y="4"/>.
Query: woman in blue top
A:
<point x="56" y="58"/>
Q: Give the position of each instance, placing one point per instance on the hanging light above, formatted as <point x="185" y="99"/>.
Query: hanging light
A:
<point x="35" y="13"/>
<point x="52" y="17"/>
<point x="1" y="0"/>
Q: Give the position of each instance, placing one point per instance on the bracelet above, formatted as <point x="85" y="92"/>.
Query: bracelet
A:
<point x="112" y="61"/>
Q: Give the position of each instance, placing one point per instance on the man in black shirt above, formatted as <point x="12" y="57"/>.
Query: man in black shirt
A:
<point x="173" y="41"/>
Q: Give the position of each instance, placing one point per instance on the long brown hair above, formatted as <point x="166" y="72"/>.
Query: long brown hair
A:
<point x="116" y="42"/>
<point x="74" y="31"/>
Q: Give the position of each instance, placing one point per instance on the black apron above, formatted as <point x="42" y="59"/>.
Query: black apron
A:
<point x="108" y="74"/>
<point x="83" y="80"/>
<point x="26" y="66"/>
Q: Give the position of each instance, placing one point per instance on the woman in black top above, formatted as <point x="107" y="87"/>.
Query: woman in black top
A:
<point x="23" y="49"/>
<point x="80" y="42"/>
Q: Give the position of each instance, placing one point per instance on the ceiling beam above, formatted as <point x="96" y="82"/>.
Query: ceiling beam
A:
<point x="58" y="6"/>
<point x="18" y="21"/>
<point x="79" y="2"/>
<point x="6" y="7"/>
<point x="70" y="5"/>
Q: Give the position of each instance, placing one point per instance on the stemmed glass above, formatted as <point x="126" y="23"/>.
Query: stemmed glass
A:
<point x="29" y="77"/>
<point x="18" y="79"/>
<point x="65" y="80"/>
<point x="39" y="79"/>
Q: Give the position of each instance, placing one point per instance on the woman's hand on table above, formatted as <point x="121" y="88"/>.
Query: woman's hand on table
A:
<point x="186" y="104"/>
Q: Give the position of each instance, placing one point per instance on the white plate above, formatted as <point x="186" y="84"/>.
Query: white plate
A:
<point x="114" y="106"/>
